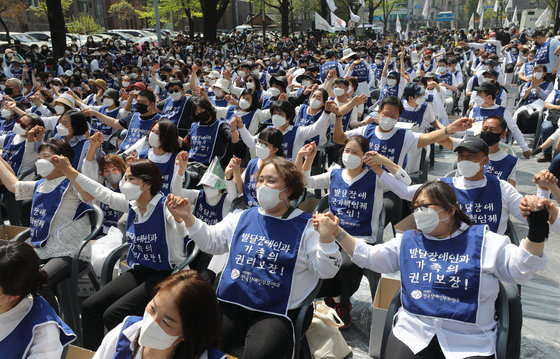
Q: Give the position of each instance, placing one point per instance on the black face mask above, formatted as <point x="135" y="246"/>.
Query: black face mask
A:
<point x="490" y="138"/>
<point x="163" y="77"/>
<point x="9" y="91"/>
<point x="141" y="108"/>
<point x="202" y="117"/>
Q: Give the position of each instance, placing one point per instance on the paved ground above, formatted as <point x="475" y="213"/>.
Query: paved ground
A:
<point x="540" y="296"/>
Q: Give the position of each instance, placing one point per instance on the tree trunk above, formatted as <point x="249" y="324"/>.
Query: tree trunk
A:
<point x="6" y="31"/>
<point x="557" y="17"/>
<point x="212" y="12"/>
<point x="371" y="9"/>
<point x="384" y="18"/>
<point x="325" y="9"/>
<point x="57" y="27"/>
<point x="190" y="20"/>
<point x="285" y="11"/>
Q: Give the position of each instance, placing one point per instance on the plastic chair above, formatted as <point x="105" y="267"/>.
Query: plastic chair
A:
<point x="67" y="290"/>
<point x="502" y="317"/>
<point x="238" y="203"/>
<point x="299" y="333"/>
<point x="537" y="136"/>
<point x="118" y="136"/>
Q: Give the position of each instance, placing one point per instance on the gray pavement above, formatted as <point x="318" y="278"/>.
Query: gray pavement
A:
<point x="540" y="296"/>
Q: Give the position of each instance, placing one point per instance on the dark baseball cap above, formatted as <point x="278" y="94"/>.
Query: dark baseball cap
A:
<point x="491" y="73"/>
<point x="487" y="87"/>
<point x="473" y="145"/>
<point x="413" y="89"/>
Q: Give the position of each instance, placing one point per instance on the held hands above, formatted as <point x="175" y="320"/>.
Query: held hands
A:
<point x="36" y="133"/>
<point x="309" y="150"/>
<point x="373" y="159"/>
<point x="131" y="158"/>
<point x="545" y="180"/>
<point x="359" y="100"/>
<point x="180" y="208"/>
<point x="61" y="163"/>
<point x="327" y="226"/>
<point x="531" y="203"/>
<point x="233" y="165"/>
<point x="310" y="89"/>
<point x="96" y="139"/>
<point x="332" y="107"/>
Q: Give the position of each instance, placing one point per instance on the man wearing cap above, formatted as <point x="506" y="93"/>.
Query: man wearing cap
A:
<point x="427" y="65"/>
<point x="490" y="46"/>
<point x="175" y="107"/>
<point x="492" y="77"/>
<point x="485" y="106"/>
<point x="361" y="70"/>
<point x="416" y="110"/>
<point x="436" y="96"/>
<point x="392" y="83"/>
<point x="377" y="67"/>
<point x="97" y="87"/>
<point x="448" y="81"/>
<point x="330" y="63"/>
<point x="220" y="89"/>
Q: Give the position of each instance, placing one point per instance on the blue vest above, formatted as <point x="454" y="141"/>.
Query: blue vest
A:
<point x="203" y="140"/>
<point x="78" y="148"/>
<point x="262" y="258"/>
<point x="246" y="118"/>
<point x="7" y="126"/>
<point x="305" y="119"/>
<point x="267" y="102"/>
<point x="388" y="91"/>
<point x="219" y="102"/>
<point x="361" y="72"/>
<point x="250" y="183"/>
<point x="541" y="57"/>
<point x="501" y="168"/>
<point x="533" y="95"/>
<point x="489" y="48"/>
<point x="173" y="110"/>
<point x="353" y="203"/>
<point x="167" y="171"/>
<point x="426" y="69"/>
<point x="529" y="68"/>
<point x="13" y="153"/>
<point x="148" y="240"/>
<point x="483" y="205"/>
<point x="207" y="213"/>
<point x="441" y="279"/>
<point x="44" y="208"/>
<point x="288" y="140"/>
<point x="100" y="126"/>
<point x="16" y="73"/>
<point x="377" y="71"/>
<point x="414" y="116"/>
<point x="137" y="129"/>
<point x="272" y="70"/>
<point x="446" y="78"/>
<point x="480" y="114"/>
<point x="326" y="67"/>
<point x="18" y="342"/>
<point x="390" y="148"/>
<point x="110" y="216"/>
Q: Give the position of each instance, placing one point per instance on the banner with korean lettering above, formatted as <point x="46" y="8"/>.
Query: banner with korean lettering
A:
<point x="262" y="258"/>
<point x="441" y="278"/>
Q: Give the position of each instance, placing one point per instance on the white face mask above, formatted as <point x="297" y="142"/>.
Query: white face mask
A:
<point x="218" y="92"/>
<point x="44" y="167"/>
<point x="478" y="100"/>
<point x="18" y="130"/>
<point x="57" y="88"/>
<point x="211" y="193"/>
<point x="6" y="113"/>
<point x="427" y="63"/>
<point x="314" y="103"/>
<point x="244" y="104"/>
<point x="176" y="96"/>
<point x="113" y="178"/>
<point x="241" y="74"/>
<point x="278" y="120"/>
<point x="487" y="79"/>
<point x="351" y="161"/>
<point x="538" y="75"/>
<point x="152" y="336"/>
<point x="274" y="91"/>
<point x="468" y="168"/>
<point x="125" y="84"/>
<point x="442" y="69"/>
<point x="427" y="219"/>
<point x="61" y="130"/>
<point x="256" y="72"/>
<point x="492" y="38"/>
<point x="153" y="140"/>
<point x="378" y="62"/>
<point x="262" y="151"/>
<point x="108" y="102"/>
<point x="420" y="100"/>
<point x="267" y="197"/>
<point x="131" y="191"/>
<point x="391" y="82"/>
<point x="2" y="87"/>
<point x="387" y="123"/>
<point x="338" y="91"/>
<point x="59" y="109"/>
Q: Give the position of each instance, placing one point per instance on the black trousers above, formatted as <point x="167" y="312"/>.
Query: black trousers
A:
<point x="248" y="334"/>
<point x="399" y="350"/>
<point x="345" y="283"/>
<point x="58" y="269"/>
<point x="128" y="294"/>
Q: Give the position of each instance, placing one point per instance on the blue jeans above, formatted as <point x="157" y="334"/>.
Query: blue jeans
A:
<point x="554" y="167"/>
<point x="547" y="129"/>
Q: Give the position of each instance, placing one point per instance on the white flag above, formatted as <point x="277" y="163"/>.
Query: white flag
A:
<point x="353" y="16"/>
<point x="480" y="26"/>
<point x="337" y="22"/>
<point x="514" y="16"/>
<point x="510" y="4"/>
<point x="480" y="8"/>
<point x="406" y="31"/>
<point x="331" y="4"/>
<point x="506" y="22"/>
<point x="322" y="24"/>
<point x="398" y="25"/>
<point x="496" y="6"/>
<point x="426" y="9"/>
<point x="471" y="22"/>
<point x="543" y="19"/>
<point x="363" y="3"/>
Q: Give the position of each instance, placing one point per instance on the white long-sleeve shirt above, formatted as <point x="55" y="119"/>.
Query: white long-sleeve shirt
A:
<point x="258" y="117"/>
<point x="46" y="339"/>
<point x="510" y="196"/>
<point x="315" y="259"/>
<point x="29" y="152"/>
<point x="500" y="260"/>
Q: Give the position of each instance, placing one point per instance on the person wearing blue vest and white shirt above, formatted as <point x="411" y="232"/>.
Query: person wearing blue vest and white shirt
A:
<point x="248" y="109"/>
<point x="268" y="146"/>
<point x="275" y="261"/>
<point x="490" y="76"/>
<point x="435" y="94"/>
<point x="62" y="104"/>
<point x="156" y="245"/>
<point x="18" y="146"/>
<point x="547" y="51"/>
<point x="500" y="163"/>
<point x="294" y="136"/>
<point x="526" y="71"/>
<point x="549" y="129"/>
<point x="485" y="106"/>
<point x="58" y="225"/>
<point x="360" y="69"/>
<point x="308" y="114"/>
<point x="330" y="63"/>
<point x="110" y="108"/>
<point x="30" y="328"/>
<point x="392" y="83"/>
<point x="448" y="81"/>
<point x="532" y="97"/>
<point x="463" y="325"/>
<point x="74" y="129"/>
<point x="181" y="321"/>
<point x="355" y="197"/>
<point x="490" y="46"/>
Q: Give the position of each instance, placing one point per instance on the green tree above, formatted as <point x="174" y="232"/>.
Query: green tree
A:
<point x="122" y="10"/>
<point x="173" y="9"/>
<point x="284" y="8"/>
<point x="12" y="9"/>
<point x="42" y="10"/>
<point x="83" y="24"/>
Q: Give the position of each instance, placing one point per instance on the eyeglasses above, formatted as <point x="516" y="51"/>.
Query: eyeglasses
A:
<point x="422" y="206"/>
